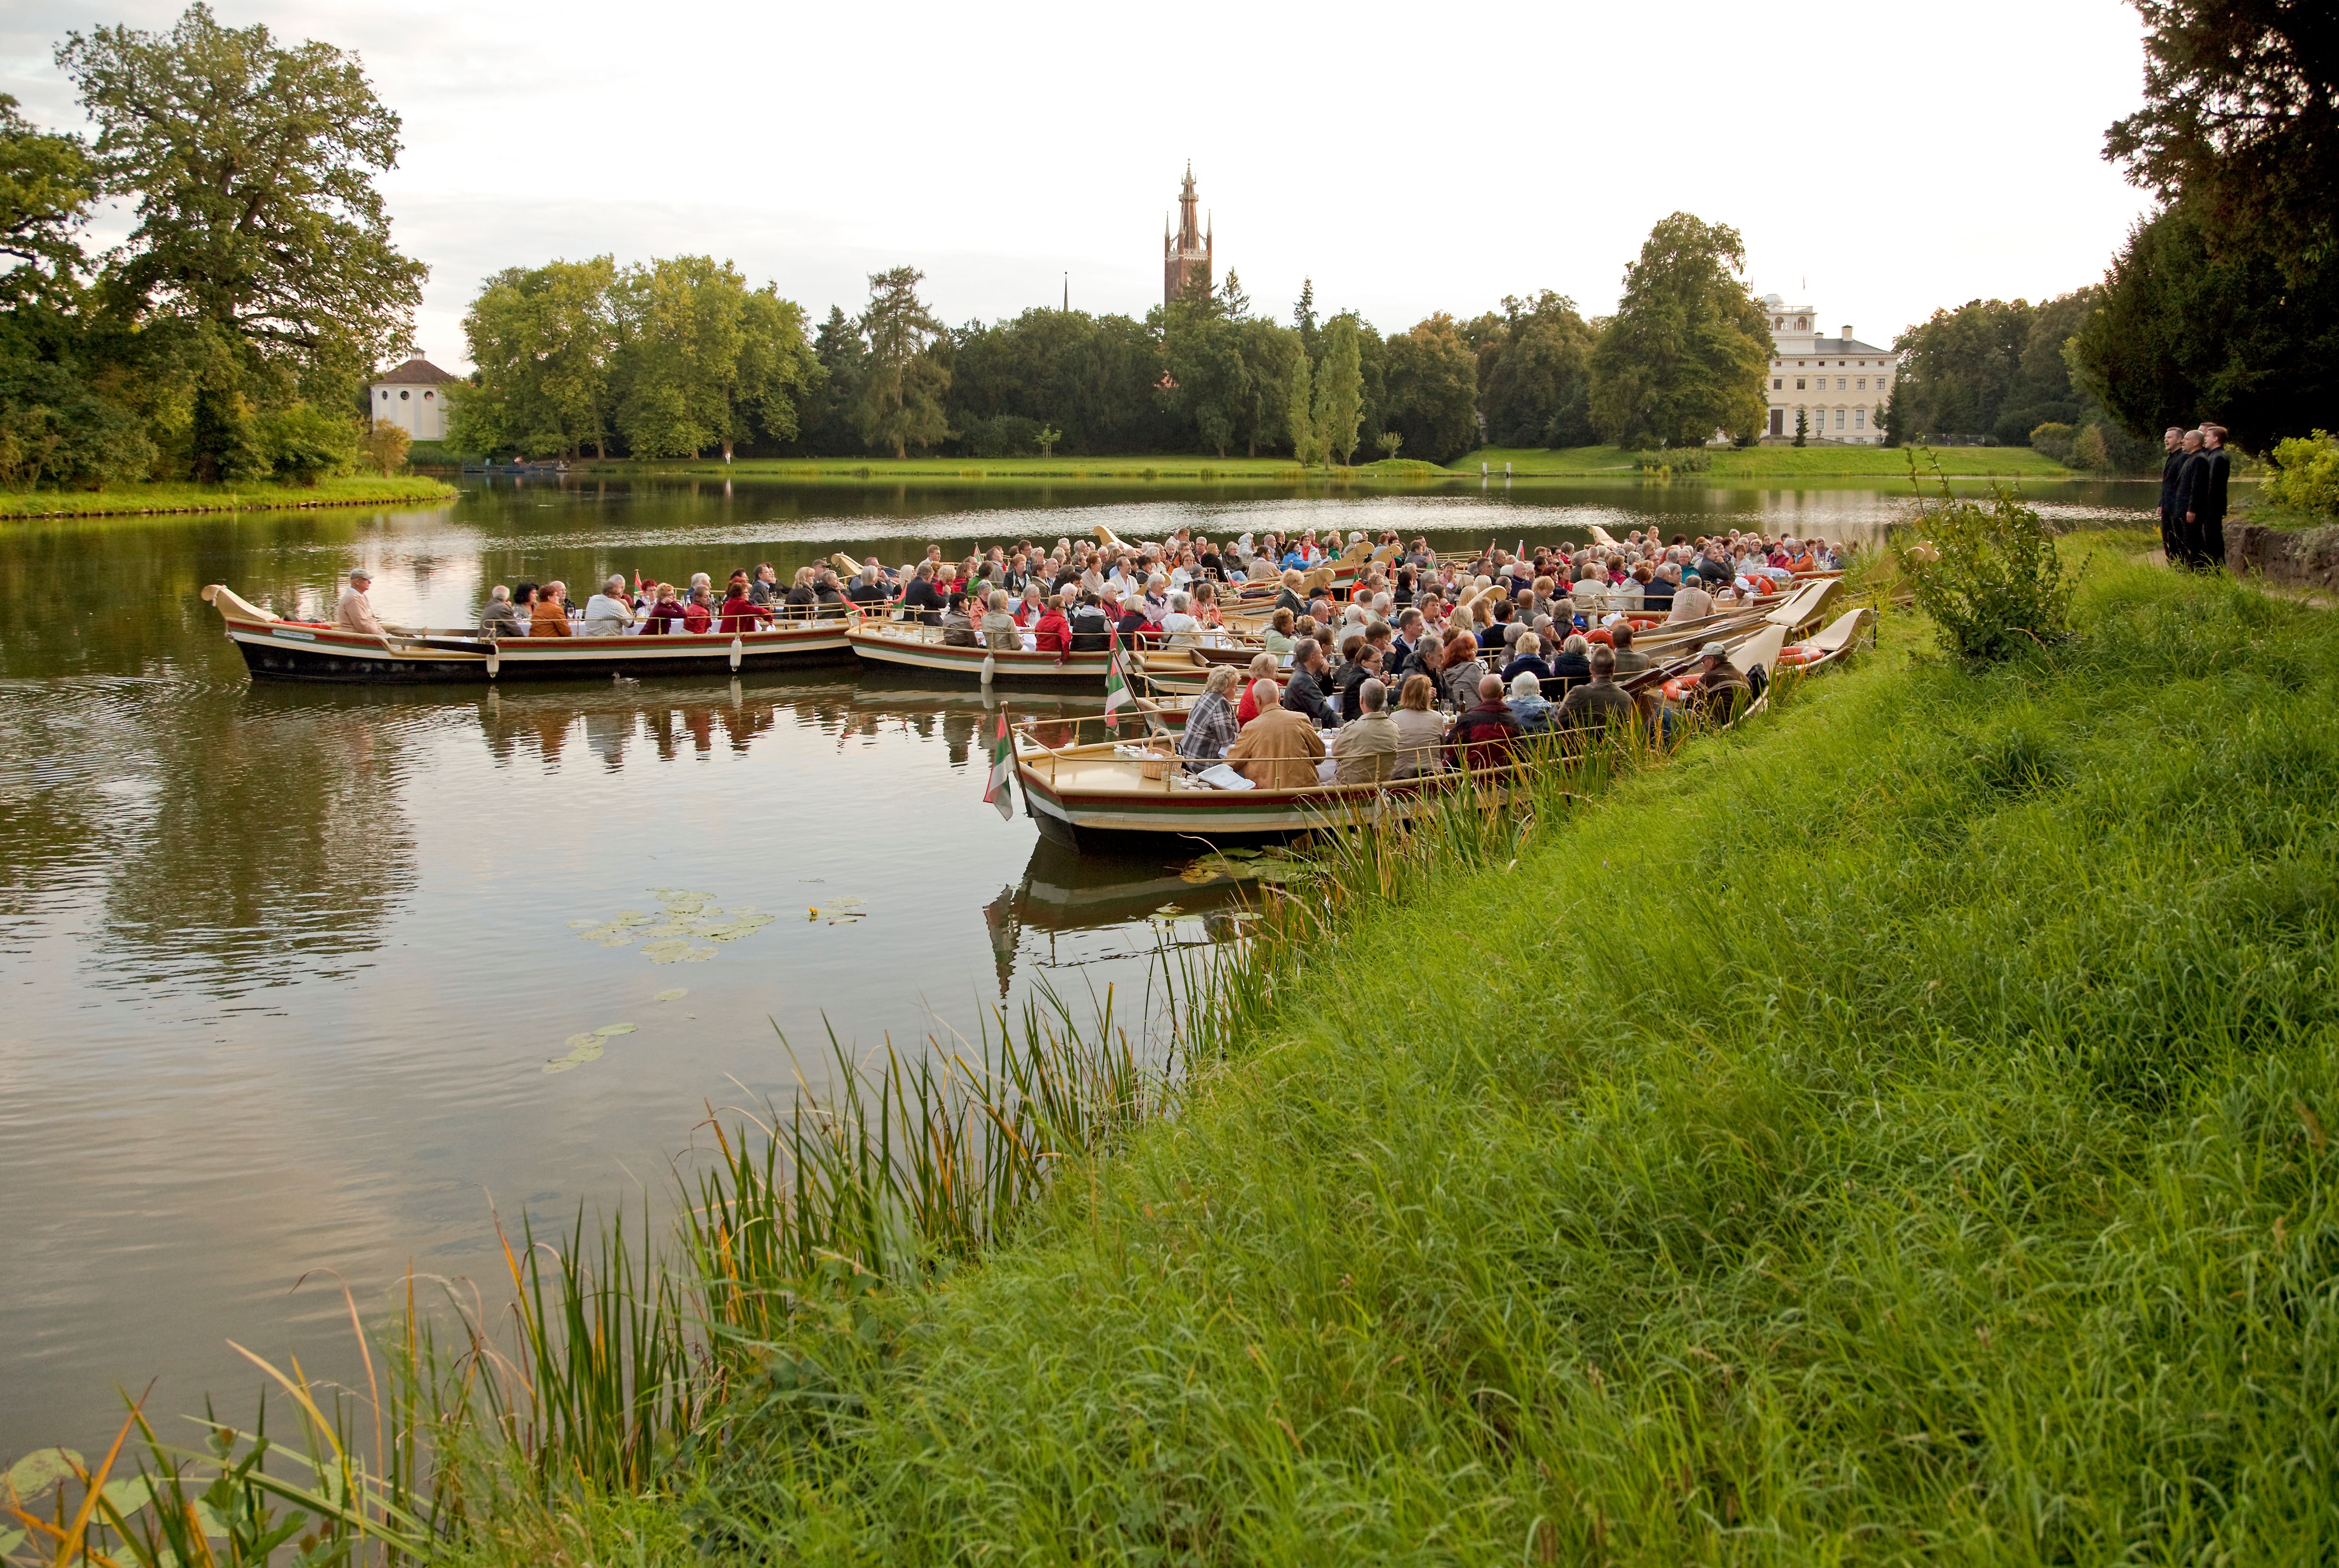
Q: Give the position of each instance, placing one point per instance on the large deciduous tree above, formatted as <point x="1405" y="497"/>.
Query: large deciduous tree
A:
<point x="545" y="343"/>
<point x="1432" y="393"/>
<point x="46" y="185"/>
<point x="904" y="382"/>
<point x="2225" y="304"/>
<point x="705" y="361"/>
<point x="1688" y="350"/>
<point x="1535" y="373"/>
<point x="259" y="227"/>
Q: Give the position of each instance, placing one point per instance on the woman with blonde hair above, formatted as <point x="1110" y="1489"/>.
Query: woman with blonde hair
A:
<point x="1000" y="632"/>
<point x="1420" y="729"/>
<point x="1263" y="667"/>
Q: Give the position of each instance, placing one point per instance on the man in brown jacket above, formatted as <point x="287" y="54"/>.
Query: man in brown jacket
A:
<point x="1279" y="749"/>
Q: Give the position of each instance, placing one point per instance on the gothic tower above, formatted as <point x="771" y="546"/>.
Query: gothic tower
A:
<point x="1186" y="253"/>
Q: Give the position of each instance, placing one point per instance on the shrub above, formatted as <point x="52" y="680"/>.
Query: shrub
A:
<point x="2053" y="441"/>
<point x="1988" y="577"/>
<point x="385" y="444"/>
<point x="1676" y="460"/>
<point x="2089" y="450"/>
<point x="54" y="430"/>
<point x="2306" y="474"/>
<point x="301" y="443"/>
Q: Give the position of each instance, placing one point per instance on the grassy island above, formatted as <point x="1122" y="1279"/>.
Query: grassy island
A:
<point x="264" y="497"/>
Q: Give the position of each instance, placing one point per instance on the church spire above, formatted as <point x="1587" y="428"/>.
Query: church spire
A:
<point x="1187" y="253"/>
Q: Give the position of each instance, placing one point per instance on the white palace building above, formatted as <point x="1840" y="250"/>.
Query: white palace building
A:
<point x="1838" y="384"/>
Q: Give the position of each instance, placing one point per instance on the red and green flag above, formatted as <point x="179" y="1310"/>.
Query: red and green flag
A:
<point x="1002" y="769"/>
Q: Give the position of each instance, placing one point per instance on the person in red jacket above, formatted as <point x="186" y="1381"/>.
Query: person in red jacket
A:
<point x="740" y="612"/>
<point x="665" y="612"/>
<point x="1485" y="736"/>
<point x="1054" y="631"/>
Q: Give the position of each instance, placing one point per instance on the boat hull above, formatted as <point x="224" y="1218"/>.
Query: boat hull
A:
<point x="275" y="651"/>
<point x="1089" y="820"/>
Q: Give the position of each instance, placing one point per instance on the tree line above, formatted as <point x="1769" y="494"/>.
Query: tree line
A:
<point x="573" y="357"/>
<point x="229" y="336"/>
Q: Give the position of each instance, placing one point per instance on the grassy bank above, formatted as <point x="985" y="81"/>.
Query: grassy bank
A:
<point x="1775" y="462"/>
<point x="1899" y="1131"/>
<point x="134" y="500"/>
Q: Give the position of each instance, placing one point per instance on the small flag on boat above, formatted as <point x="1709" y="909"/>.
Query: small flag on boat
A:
<point x="1116" y="684"/>
<point x="1003" y="768"/>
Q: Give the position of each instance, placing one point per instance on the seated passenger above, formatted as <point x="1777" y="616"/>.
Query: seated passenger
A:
<point x="1722" y="690"/>
<point x="1601" y="701"/>
<point x="665" y="611"/>
<point x="499" y="619"/>
<point x="551" y="616"/>
<point x="999" y="633"/>
<point x="1211" y="726"/>
<point x="1365" y="751"/>
<point x="1279" y="749"/>
<point x="958" y="626"/>
<point x="1421" y="729"/>
<point x="1527" y="705"/>
<point x="608" y="613"/>
<point x="1488" y="733"/>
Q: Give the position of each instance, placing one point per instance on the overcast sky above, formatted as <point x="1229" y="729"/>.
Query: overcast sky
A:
<point x="1880" y="160"/>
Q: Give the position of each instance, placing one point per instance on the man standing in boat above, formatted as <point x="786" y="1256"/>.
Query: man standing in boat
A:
<point x="354" y="613"/>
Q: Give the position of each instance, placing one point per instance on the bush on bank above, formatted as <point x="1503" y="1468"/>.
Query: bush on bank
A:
<point x="1899" y="1130"/>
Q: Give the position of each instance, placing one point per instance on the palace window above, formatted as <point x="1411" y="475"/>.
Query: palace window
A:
<point x="1799" y="383"/>
<point x="1863" y="383"/>
<point x="1777" y="382"/>
<point x="385" y="394"/>
<point x="1838" y="418"/>
<point x="403" y="396"/>
<point x="1859" y="419"/>
<point x="1838" y="381"/>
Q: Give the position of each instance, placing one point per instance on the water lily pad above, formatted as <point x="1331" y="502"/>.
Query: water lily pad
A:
<point x="1240" y="854"/>
<point x="608" y="1030"/>
<point x="739" y="925"/>
<point x="677" y="994"/>
<point x="582" y="1042"/>
<point x="846" y="902"/>
<point x="583" y="924"/>
<point x="677" y="951"/>
<point x="1167" y="912"/>
<point x="1198" y="873"/>
<point x="38" y="1471"/>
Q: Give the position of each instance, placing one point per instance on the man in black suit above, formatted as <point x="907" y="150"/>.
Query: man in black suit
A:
<point x="2172" y="470"/>
<point x="2205" y="518"/>
<point x="2192" y="482"/>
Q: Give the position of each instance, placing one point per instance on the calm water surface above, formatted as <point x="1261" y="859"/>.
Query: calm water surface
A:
<point x="280" y="967"/>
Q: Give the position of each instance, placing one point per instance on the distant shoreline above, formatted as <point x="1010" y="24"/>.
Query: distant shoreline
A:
<point x="166" y="499"/>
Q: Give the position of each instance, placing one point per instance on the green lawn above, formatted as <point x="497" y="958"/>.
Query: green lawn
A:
<point x="1898" y="1131"/>
<point x="123" y="499"/>
<point x="1765" y="462"/>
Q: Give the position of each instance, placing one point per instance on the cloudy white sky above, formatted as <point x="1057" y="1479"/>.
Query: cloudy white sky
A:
<point x="1880" y="160"/>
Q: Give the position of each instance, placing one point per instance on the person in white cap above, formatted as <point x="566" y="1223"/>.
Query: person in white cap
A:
<point x="354" y="613"/>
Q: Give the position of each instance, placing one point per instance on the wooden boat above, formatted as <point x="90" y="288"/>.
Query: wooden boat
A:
<point x="908" y="644"/>
<point x="280" y="649"/>
<point x="1101" y="793"/>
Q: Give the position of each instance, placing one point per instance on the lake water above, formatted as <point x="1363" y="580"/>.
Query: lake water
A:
<point x="281" y="966"/>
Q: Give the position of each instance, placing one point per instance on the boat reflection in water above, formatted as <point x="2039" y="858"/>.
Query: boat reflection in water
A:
<point x="1066" y="893"/>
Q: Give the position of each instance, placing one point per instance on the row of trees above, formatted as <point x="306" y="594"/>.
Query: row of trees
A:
<point x="2003" y="370"/>
<point x="229" y="337"/>
<point x="680" y="357"/>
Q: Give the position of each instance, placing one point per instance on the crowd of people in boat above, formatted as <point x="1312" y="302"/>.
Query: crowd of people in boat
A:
<point x="1078" y="596"/>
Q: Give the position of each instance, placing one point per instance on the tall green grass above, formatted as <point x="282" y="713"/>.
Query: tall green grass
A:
<point x="1894" y="1131"/>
